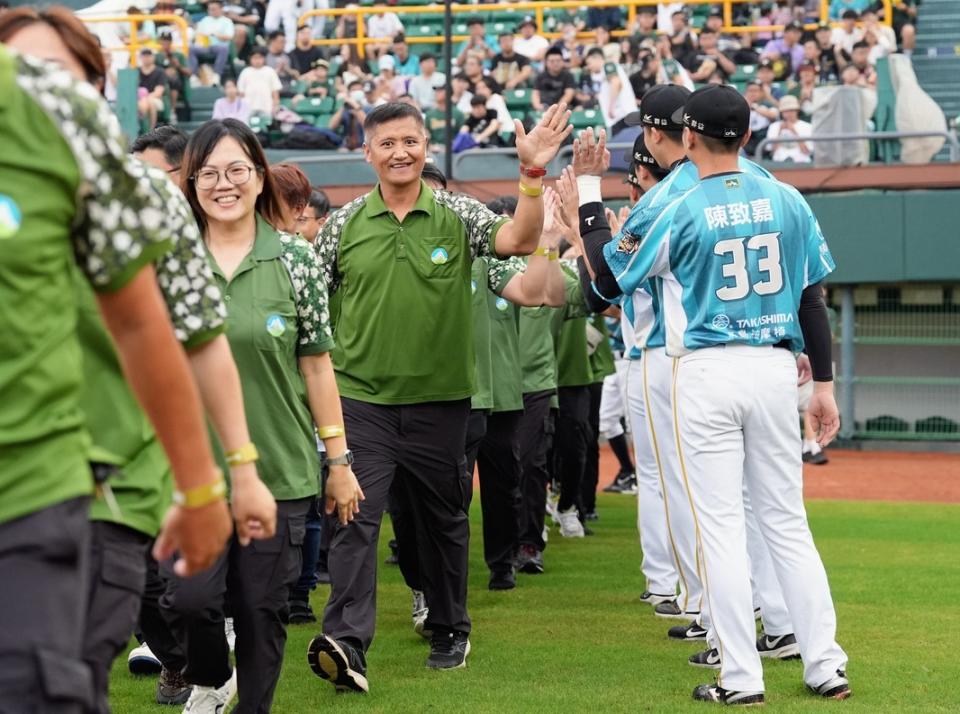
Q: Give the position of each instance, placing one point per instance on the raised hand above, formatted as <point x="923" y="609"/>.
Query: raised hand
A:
<point x="591" y="158"/>
<point x="538" y="148"/>
<point x="554" y="227"/>
<point x="569" y="197"/>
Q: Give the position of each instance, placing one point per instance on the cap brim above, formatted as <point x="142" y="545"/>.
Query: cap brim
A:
<point x="677" y="117"/>
<point x="628" y="156"/>
<point x="633" y="119"/>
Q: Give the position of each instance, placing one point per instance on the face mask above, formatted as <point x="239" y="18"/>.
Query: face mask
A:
<point x="358" y="96"/>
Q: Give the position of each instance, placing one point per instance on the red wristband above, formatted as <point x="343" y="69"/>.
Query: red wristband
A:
<point x="532" y="171"/>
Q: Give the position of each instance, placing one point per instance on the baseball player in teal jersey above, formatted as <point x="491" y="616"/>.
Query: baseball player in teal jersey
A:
<point x="740" y="258"/>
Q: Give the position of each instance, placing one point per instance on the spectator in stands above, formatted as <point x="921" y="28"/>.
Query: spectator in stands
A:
<point x="174" y="65"/>
<point x="347" y="120"/>
<point x="603" y="41"/>
<point x="726" y="43"/>
<point x="850" y="76"/>
<point x="648" y="72"/>
<point x="682" y="38"/>
<point x="763" y="111"/>
<point x="790" y="124"/>
<point x="383" y="26"/>
<point x="482" y="124"/>
<point x="218" y="29"/>
<point x="282" y="12"/>
<point x="530" y="44"/>
<point x="708" y="59"/>
<point x="881" y="38"/>
<point x="231" y="105"/>
<point x="904" y="23"/>
<point x="510" y="68"/>
<point x="259" y="84"/>
<point x="246" y="16"/>
<point x="389" y="85"/>
<point x="786" y="52"/>
<point x="478" y="43"/>
<point x="591" y="79"/>
<point x="671" y="70"/>
<point x="435" y="119"/>
<point x="843" y="38"/>
<point x="809" y="78"/>
<point x="351" y="68"/>
<point x="827" y="61"/>
<point x="279" y="60"/>
<point x="305" y="56"/>
<point x="151" y="88"/>
<point x="423" y="86"/>
<point x="645" y="26"/>
<point x="320" y="83"/>
<point x="408" y="65"/>
<point x="461" y="95"/>
<point x="146" y="30"/>
<point x="838" y="8"/>
<point x="473" y="70"/>
<point x="555" y="84"/>
<point x="767" y="79"/>
<point x="490" y="91"/>
<point x="314" y="215"/>
<point x="610" y="18"/>
<point x="568" y="46"/>
<point x="860" y="59"/>
<point x="346" y="24"/>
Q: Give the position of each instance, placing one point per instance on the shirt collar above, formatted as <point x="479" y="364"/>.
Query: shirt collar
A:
<point x="376" y="207"/>
<point x="266" y="244"/>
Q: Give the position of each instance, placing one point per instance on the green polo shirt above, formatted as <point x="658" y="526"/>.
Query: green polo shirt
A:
<point x="505" y="344"/>
<point x="538" y="356"/>
<point x="120" y="432"/>
<point x="487" y="277"/>
<point x="601" y="360"/>
<point x="277" y="312"/>
<point x="570" y="330"/>
<point x="401" y="295"/>
<point x="436" y="123"/>
<point x="70" y="197"/>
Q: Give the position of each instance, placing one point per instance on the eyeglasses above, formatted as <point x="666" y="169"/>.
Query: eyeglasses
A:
<point x="206" y="179"/>
<point x="303" y="218"/>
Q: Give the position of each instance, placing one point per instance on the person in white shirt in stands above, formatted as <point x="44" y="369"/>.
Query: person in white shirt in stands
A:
<point x="219" y="30"/>
<point x="259" y="85"/>
<point x="488" y="89"/>
<point x="530" y="44"/>
<point x="383" y="26"/>
<point x="422" y="87"/>
<point x="390" y="85"/>
<point x="847" y="35"/>
<point x="790" y="124"/>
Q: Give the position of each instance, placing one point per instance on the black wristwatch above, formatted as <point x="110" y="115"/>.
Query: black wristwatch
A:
<point x="345" y="459"/>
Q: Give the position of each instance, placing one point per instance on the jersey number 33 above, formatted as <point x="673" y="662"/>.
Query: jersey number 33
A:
<point x="770" y="275"/>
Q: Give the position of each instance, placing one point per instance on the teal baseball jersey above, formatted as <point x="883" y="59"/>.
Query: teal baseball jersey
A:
<point x="732" y="255"/>
<point x="648" y="325"/>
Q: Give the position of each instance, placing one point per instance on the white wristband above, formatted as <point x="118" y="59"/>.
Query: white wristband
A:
<point x="589" y="187"/>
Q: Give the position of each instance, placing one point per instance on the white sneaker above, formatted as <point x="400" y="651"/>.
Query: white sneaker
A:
<point x="570" y="525"/>
<point x="142" y="661"/>
<point x="212" y="700"/>
<point x="230" y="633"/>
<point x="551" y="508"/>
<point x="419" y="614"/>
<point x="546" y="533"/>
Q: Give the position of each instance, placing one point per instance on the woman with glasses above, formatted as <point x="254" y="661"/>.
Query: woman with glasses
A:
<point x="280" y="338"/>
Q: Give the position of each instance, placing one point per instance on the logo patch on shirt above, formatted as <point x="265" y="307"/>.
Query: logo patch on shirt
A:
<point x="721" y="322"/>
<point x="10" y="217"/>
<point x="628" y="244"/>
<point x="731" y="183"/>
<point x="502" y="304"/>
<point x="276" y="325"/>
<point x="439" y="256"/>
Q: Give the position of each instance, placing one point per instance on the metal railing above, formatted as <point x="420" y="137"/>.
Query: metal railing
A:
<point x="135" y="43"/>
<point x="950" y="136"/>
<point x="537" y="8"/>
<point x="563" y="153"/>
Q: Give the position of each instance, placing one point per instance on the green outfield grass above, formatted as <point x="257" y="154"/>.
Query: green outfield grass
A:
<point x="577" y="639"/>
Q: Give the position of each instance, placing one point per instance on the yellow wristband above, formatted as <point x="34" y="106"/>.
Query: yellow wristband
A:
<point x="530" y="190"/>
<point x="246" y="454"/>
<point x="548" y="253"/>
<point x="328" y="432"/>
<point x="200" y="496"/>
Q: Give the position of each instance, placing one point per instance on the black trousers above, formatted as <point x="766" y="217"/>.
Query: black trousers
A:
<point x="591" y="470"/>
<point x="573" y="435"/>
<point x="420" y="448"/>
<point x="535" y="437"/>
<point x="153" y="625"/>
<point x="117" y="575"/>
<point x="258" y="578"/>
<point x="44" y="571"/>
<point x="499" y="466"/>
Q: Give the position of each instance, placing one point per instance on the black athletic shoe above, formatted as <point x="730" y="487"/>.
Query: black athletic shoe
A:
<point x="530" y="560"/>
<point x="338" y="662"/>
<point x="688" y="633"/>
<point x="669" y="609"/>
<point x="778" y="647"/>
<point x="837" y="687"/>
<point x="448" y="650"/>
<point x="619" y="481"/>
<point x="301" y="613"/>
<point x="591" y="516"/>
<point x="817" y="459"/>
<point x="719" y="695"/>
<point x="502" y="580"/>
<point x="708" y="659"/>
<point x="172" y="688"/>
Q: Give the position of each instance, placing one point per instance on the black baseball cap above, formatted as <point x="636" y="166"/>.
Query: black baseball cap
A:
<point x="658" y="106"/>
<point x="640" y="154"/>
<point x="716" y="110"/>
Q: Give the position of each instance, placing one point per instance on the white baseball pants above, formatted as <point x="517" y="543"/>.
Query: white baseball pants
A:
<point x="613" y="401"/>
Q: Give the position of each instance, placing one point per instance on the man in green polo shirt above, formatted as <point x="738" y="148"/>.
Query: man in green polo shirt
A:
<point x="70" y="197"/>
<point x="397" y="262"/>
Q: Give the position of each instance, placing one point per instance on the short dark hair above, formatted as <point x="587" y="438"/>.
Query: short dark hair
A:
<point x="319" y="202"/>
<point x="432" y="172"/>
<point x="171" y="140"/>
<point x="391" y="111"/>
<point x="475" y="20"/>
<point x="503" y="205"/>
<point x="707" y="31"/>
<point x="399" y="37"/>
<point x="505" y="33"/>
<point x="861" y="45"/>
<point x="274" y="35"/>
<point x="849" y="15"/>
<point x="554" y="51"/>
<point x="595" y="51"/>
<point x="427" y="56"/>
<point x="202" y="144"/>
<point x="720" y="146"/>
<point x="476" y="101"/>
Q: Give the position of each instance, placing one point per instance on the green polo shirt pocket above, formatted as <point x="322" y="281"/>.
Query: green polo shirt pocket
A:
<point x="275" y="325"/>
<point x="436" y="257"/>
